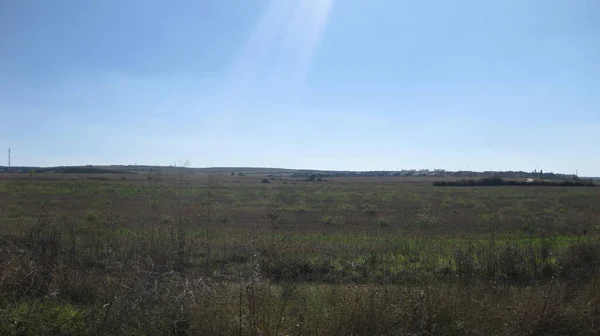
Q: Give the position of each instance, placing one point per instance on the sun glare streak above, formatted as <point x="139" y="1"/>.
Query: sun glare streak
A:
<point x="278" y="53"/>
<point x="300" y="42"/>
<point x="260" y="44"/>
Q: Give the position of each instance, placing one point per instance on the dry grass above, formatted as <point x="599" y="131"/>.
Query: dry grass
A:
<point x="182" y="255"/>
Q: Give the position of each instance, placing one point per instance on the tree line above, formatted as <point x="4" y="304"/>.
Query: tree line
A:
<point x="498" y="181"/>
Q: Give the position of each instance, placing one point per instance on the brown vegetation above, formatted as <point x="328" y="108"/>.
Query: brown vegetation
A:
<point x="227" y="255"/>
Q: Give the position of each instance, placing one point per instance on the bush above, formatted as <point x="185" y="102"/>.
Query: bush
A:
<point x="334" y="220"/>
<point x="498" y="181"/>
<point x="384" y="222"/>
<point x="425" y="221"/>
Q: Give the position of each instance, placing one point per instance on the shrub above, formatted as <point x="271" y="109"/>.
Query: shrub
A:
<point x="369" y="208"/>
<point x="16" y="211"/>
<point x="384" y="222"/>
<point x="91" y="216"/>
<point x="336" y="220"/>
<point x="424" y="221"/>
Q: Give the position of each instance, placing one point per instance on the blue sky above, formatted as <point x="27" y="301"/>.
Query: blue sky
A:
<point x="324" y="84"/>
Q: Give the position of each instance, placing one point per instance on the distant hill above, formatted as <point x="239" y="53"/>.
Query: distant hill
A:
<point x="68" y="170"/>
<point x="294" y="173"/>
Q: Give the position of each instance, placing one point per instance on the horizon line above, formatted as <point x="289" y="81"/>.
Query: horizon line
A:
<point x="279" y="168"/>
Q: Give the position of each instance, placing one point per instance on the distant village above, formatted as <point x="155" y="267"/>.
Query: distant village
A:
<point x="442" y="173"/>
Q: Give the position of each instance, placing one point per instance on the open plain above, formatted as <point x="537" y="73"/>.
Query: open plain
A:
<point x="208" y="254"/>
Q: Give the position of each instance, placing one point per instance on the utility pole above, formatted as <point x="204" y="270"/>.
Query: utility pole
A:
<point x="9" y="160"/>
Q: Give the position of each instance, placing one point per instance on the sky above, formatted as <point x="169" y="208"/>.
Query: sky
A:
<point x="315" y="84"/>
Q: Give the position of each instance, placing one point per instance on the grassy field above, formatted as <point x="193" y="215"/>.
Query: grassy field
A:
<point x="217" y="254"/>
